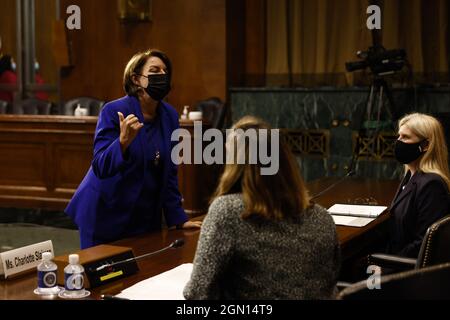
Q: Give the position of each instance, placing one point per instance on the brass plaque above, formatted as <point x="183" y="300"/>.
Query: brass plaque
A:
<point x="135" y="10"/>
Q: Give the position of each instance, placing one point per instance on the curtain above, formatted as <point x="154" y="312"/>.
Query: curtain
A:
<point x="421" y="28"/>
<point x="309" y="41"/>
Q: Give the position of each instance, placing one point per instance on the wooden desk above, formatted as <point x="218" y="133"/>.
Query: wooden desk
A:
<point x="44" y="159"/>
<point x="351" y="240"/>
<point x="197" y="182"/>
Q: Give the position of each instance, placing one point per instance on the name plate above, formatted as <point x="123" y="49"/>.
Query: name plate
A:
<point x="22" y="259"/>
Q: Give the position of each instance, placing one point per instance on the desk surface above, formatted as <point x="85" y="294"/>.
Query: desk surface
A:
<point x="350" y="239"/>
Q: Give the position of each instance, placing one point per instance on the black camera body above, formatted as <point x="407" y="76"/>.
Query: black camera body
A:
<point x="379" y="60"/>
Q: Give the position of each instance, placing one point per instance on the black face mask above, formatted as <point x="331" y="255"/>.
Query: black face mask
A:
<point x="407" y="152"/>
<point x="158" y="86"/>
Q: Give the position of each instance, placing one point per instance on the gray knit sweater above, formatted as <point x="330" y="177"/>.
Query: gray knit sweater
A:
<point x="259" y="259"/>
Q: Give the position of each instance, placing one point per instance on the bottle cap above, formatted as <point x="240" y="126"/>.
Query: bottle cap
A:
<point x="73" y="258"/>
<point x="195" y="115"/>
<point x="46" y="256"/>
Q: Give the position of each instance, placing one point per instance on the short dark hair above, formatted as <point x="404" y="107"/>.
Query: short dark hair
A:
<point x="135" y="65"/>
<point x="5" y="63"/>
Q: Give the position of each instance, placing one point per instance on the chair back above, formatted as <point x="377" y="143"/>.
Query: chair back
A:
<point x="435" y="248"/>
<point x="428" y="283"/>
<point x="3" y="106"/>
<point x="34" y="106"/>
<point x="213" y="110"/>
<point x="92" y="104"/>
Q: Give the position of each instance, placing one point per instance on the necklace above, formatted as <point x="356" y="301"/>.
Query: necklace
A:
<point x="150" y="118"/>
<point x="156" y="160"/>
<point x="156" y="128"/>
<point x="157" y="152"/>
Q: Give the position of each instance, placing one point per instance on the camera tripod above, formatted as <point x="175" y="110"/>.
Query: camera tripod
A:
<point x="379" y="86"/>
<point x="370" y="128"/>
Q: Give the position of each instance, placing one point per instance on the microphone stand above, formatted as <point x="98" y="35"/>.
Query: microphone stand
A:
<point x="350" y="173"/>
<point x="175" y="244"/>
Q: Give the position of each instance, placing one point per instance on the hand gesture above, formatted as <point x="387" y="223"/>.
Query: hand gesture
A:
<point x="129" y="128"/>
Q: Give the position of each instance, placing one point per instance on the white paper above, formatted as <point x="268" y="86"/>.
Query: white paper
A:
<point x="356" y="210"/>
<point x="165" y="286"/>
<point x="351" y="221"/>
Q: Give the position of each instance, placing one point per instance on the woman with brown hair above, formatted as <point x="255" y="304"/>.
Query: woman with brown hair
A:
<point x="132" y="182"/>
<point x="262" y="238"/>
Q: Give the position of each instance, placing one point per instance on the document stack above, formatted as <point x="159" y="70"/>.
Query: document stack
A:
<point x="355" y="215"/>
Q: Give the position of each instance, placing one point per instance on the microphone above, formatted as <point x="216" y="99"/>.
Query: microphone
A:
<point x="176" y="244"/>
<point x="350" y="173"/>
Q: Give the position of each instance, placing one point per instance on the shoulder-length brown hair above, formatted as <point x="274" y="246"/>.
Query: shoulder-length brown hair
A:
<point x="135" y="65"/>
<point x="273" y="197"/>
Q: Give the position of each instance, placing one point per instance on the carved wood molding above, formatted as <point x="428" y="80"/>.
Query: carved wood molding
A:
<point x="311" y="142"/>
<point x="375" y="147"/>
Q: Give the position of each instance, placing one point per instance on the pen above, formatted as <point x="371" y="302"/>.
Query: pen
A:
<point x="111" y="297"/>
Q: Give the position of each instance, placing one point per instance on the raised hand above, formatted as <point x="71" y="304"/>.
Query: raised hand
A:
<point x="129" y="128"/>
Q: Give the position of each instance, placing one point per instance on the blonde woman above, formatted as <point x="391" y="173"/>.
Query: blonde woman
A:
<point x="423" y="195"/>
<point x="262" y="238"/>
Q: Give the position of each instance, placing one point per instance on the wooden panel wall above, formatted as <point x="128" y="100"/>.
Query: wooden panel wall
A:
<point x="8" y="27"/>
<point x="45" y="12"/>
<point x="192" y="33"/>
<point x="246" y="43"/>
<point x="44" y="159"/>
<point x="255" y="44"/>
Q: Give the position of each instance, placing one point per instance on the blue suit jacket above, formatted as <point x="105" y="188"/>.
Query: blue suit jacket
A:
<point x="104" y="201"/>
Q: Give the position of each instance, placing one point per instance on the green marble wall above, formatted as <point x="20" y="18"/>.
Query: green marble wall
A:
<point x="342" y="112"/>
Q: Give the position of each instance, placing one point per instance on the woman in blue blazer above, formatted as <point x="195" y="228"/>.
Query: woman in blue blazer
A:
<point x="423" y="195"/>
<point x="132" y="181"/>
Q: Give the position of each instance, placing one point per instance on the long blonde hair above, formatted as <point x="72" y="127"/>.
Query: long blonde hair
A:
<point x="272" y="197"/>
<point x="426" y="127"/>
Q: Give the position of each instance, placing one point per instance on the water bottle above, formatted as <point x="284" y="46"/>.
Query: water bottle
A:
<point x="73" y="278"/>
<point x="47" y="275"/>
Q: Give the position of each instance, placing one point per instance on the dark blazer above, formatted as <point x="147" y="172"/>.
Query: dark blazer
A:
<point x="423" y="201"/>
<point x="103" y="203"/>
